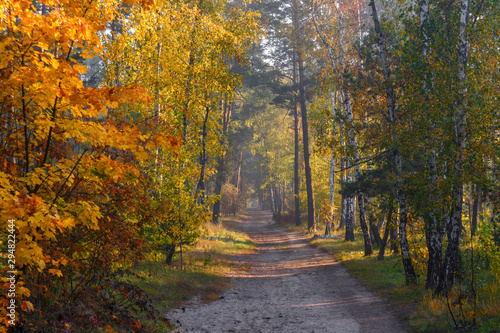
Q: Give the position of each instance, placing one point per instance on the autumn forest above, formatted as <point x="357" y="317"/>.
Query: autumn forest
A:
<point x="138" y="136"/>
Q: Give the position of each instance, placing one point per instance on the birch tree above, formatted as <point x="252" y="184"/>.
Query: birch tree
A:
<point x="400" y="194"/>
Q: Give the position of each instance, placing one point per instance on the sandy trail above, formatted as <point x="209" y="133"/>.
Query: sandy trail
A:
<point x="291" y="287"/>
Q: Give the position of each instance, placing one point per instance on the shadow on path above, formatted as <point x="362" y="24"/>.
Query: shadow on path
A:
<point x="291" y="287"/>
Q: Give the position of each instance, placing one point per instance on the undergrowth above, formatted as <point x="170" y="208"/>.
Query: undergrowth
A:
<point x="203" y="275"/>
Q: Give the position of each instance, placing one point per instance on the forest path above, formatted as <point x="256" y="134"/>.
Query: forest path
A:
<point x="291" y="287"/>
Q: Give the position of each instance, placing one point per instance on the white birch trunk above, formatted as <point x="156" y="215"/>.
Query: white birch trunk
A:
<point x="357" y="176"/>
<point x="405" y="253"/>
<point x="348" y="204"/>
<point x="454" y="228"/>
<point x="435" y="227"/>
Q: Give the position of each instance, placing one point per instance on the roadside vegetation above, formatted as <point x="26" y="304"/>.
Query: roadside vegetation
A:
<point x="203" y="277"/>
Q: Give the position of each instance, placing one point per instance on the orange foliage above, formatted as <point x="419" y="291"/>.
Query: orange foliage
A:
<point x="69" y="176"/>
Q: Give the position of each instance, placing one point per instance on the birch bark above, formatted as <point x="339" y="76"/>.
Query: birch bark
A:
<point x="434" y="226"/>
<point x="454" y="228"/>
<point x="410" y="274"/>
<point x="343" y="208"/>
<point x="296" y="182"/>
<point x="348" y="204"/>
<point x="357" y="175"/>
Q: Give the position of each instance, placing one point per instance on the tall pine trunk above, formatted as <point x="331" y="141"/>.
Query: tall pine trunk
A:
<point x="219" y="178"/>
<point x="329" y="48"/>
<point x="311" y="225"/>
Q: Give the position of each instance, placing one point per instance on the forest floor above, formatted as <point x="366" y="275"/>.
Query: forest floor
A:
<point x="286" y="285"/>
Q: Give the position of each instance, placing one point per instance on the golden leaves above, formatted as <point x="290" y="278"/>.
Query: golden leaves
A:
<point x="56" y="272"/>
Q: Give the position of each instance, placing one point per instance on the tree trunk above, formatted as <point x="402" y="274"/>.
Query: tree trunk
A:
<point x="217" y="189"/>
<point x="329" y="48"/>
<point x="311" y="225"/>
<point x="219" y="179"/>
<point x="434" y="237"/>
<point x="349" y="216"/>
<point x="283" y="197"/>
<point x="200" y="188"/>
<point x="237" y="173"/>
<point x="374" y="231"/>
<point x="434" y="233"/>
<point x="329" y="222"/>
<point x="262" y="199"/>
<point x="273" y="203"/>
<point x="394" y="241"/>
<point x="278" y="198"/>
<point x="296" y="179"/>
<point x="362" y="223"/>
<point x="434" y="227"/>
<point x="388" y="227"/>
<point x="169" y="251"/>
<point x="357" y="172"/>
<point x="475" y="206"/>
<point x="343" y="208"/>
<point x="452" y="262"/>
<point x="410" y="274"/>
<point x="403" y="219"/>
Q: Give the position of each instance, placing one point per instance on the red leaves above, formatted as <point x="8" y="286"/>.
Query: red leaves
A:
<point x="137" y="325"/>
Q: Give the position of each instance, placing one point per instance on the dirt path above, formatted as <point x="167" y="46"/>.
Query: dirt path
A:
<point x="292" y="287"/>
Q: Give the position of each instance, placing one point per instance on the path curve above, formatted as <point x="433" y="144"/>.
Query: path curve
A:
<point x="291" y="287"/>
